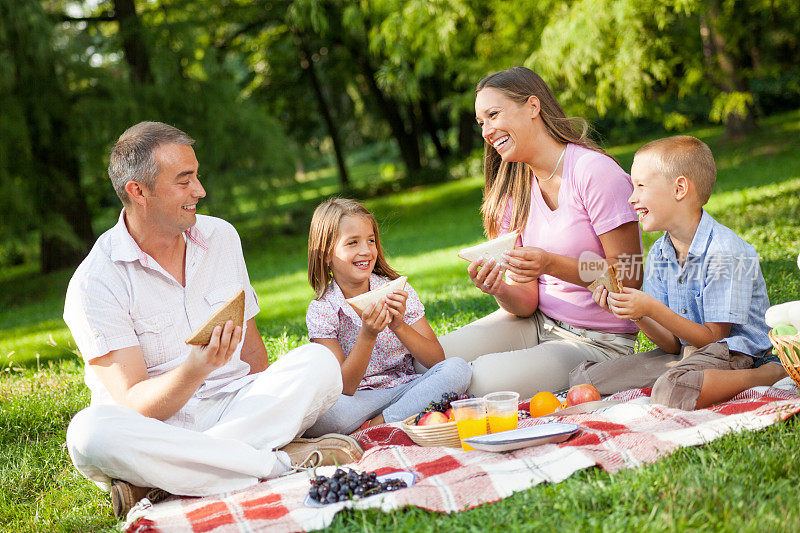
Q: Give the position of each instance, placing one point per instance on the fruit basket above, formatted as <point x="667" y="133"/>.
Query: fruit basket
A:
<point x="788" y="348"/>
<point x="444" y="434"/>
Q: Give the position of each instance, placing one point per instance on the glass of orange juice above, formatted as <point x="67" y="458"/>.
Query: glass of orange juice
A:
<point x="470" y="415"/>
<point x="501" y="408"/>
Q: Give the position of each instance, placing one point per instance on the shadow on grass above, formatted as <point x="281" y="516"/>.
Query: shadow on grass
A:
<point x="26" y="285"/>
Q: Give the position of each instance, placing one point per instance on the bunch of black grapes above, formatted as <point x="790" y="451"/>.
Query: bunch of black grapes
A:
<point x="443" y="404"/>
<point x="350" y="485"/>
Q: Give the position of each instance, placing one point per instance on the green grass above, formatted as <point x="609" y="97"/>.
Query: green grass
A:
<point x="740" y="482"/>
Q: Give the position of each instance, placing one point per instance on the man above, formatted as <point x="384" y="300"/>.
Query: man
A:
<point x="190" y="420"/>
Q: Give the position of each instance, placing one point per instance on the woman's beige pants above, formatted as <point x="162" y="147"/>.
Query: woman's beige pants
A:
<point x="529" y="355"/>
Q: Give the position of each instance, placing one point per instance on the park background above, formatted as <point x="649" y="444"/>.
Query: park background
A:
<point x="293" y="101"/>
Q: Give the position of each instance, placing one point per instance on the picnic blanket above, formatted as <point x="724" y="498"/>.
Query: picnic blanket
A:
<point x="618" y="437"/>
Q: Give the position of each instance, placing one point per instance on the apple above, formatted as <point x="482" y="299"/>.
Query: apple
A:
<point x="449" y="414"/>
<point x="582" y="393"/>
<point x="433" y="417"/>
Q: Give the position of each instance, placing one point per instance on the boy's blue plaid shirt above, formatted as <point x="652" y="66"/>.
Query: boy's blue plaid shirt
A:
<point x="720" y="281"/>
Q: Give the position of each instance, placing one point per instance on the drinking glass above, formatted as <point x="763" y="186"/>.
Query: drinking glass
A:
<point x="501" y="408"/>
<point x="470" y="415"/>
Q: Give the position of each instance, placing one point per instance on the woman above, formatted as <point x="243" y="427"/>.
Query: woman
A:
<point x="568" y="200"/>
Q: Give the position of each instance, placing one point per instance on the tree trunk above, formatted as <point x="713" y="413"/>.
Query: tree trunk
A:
<point x="62" y="213"/>
<point x="718" y="57"/>
<point x="307" y="64"/>
<point x="390" y="109"/>
<point x="406" y="141"/>
<point x="64" y="218"/>
<point x="467" y="133"/>
<point x="68" y="203"/>
<point x="432" y="128"/>
<point x="130" y="29"/>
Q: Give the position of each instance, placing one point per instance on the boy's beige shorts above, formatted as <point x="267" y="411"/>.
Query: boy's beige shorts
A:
<point x="529" y="355"/>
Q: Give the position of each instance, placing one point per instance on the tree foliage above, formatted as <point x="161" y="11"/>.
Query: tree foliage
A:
<point x="271" y="87"/>
<point x="643" y="58"/>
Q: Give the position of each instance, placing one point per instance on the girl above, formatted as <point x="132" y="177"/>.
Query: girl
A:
<point x="376" y="350"/>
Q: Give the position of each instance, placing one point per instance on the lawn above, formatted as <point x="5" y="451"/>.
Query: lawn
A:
<point x="741" y="482"/>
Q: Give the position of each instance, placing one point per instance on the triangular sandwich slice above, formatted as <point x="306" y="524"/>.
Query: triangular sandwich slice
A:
<point x="493" y="249"/>
<point x="362" y="301"/>
<point x="232" y="310"/>
<point x="609" y="279"/>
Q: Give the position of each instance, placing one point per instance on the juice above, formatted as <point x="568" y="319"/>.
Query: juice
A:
<point x="470" y="428"/>
<point x="502" y="422"/>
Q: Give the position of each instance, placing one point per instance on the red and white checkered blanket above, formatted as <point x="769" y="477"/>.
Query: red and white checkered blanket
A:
<point x="449" y="480"/>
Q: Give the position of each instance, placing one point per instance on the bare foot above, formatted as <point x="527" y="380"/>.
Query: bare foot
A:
<point x="377" y="420"/>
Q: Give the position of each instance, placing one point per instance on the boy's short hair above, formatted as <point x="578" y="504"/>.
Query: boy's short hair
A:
<point x="684" y="155"/>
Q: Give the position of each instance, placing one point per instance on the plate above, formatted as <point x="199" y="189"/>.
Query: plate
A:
<point x="584" y="408"/>
<point x="405" y="475"/>
<point x="515" y="439"/>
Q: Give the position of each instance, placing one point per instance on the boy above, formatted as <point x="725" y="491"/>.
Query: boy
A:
<point x="704" y="296"/>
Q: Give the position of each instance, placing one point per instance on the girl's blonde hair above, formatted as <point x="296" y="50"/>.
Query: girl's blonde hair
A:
<point x="322" y="239"/>
<point x="513" y="181"/>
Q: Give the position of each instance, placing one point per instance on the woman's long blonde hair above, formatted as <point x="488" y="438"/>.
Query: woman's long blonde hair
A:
<point x="512" y="182"/>
<point x="322" y="239"/>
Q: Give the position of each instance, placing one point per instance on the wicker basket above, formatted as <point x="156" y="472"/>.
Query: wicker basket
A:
<point x="434" y="435"/>
<point x="788" y="348"/>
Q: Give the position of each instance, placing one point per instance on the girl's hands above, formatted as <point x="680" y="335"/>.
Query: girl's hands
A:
<point x="631" y="304"/>
<point x="396" y="303"/>
<point x="376" y="317"/>
<point x="487" y="277"/>
<point x="526" y="264"/>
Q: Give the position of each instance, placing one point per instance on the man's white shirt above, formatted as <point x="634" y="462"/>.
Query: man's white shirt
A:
<point x="121" y="297"/>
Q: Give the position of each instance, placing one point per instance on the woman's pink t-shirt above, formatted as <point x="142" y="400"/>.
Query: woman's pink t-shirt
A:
<point x="592" y="200"/>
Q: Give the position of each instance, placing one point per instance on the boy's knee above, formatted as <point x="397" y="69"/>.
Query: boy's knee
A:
<point x="678" y="388"/>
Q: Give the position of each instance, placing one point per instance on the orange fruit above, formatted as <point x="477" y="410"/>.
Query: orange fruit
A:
<point x="544" y="403"/>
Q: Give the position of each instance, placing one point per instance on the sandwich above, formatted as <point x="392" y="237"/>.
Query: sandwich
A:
<point x="609" y="279"/>
<point x="362" y="301"/>
<point x="493" y="249"/>
<point x="233" y="309"/>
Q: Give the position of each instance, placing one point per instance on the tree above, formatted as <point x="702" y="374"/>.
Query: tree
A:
<point x="307" y="60"/>
<point x="47" y="161"/>
<point x="69" y="85"/>
<point x="637" y="56"/>
<point x="133" y="40"/>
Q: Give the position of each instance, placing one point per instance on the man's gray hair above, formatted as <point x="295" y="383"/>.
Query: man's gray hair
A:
<point x="133" y="155"/>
